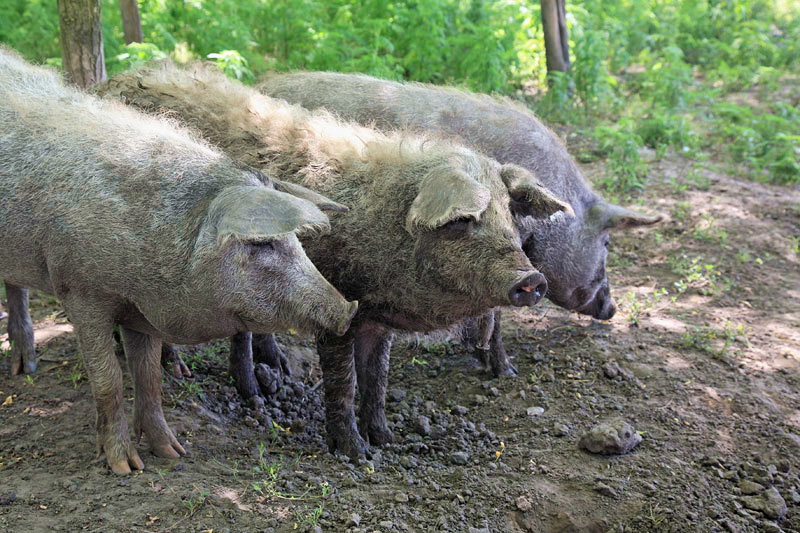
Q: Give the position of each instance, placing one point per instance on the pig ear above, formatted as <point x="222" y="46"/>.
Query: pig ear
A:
<point x="529" y="197"/>
<point x="256" y="213"/>
<point x="445" y="195"/>
<point x="615" y="217"/>
<point x="322" y="202"/>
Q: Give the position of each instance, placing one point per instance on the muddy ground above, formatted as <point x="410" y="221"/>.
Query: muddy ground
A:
<point x="703" y="359"/>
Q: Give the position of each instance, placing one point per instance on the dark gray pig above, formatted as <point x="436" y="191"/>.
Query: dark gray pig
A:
<point x="431" y="239"/>
<point x="570" y="251"/>
<point x="131" y="221"/>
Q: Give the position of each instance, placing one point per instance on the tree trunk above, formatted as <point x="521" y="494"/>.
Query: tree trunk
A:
<point x="82" y="41"/>
<point x="556" y="44"/>
<point x="131" y="23"/>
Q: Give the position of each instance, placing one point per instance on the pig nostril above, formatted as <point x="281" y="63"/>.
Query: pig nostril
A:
<point x="528" y="291"/>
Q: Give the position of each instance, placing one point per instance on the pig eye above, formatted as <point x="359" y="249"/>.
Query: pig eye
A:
<point x="459" y="225"/>
<point x="263" y="246"/>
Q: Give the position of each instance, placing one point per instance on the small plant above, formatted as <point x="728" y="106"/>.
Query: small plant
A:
<point x="708" y="230"/>
<point x="681" y="211"/>
<point x="705" y="278"/>
<point x="193" y="502"/>
<point x="269" y="472"/>
<point x="187" y="388"/>
<point x="655" y="516"/>
<point x="698" y="180"/>
<point x="420" y="362"/>
<point x="743" y="256"/>
<point x="637" y="303"/>
<point x="795" y="247"/>
<point x="76" y="376"/>
<point x="311" y="518"/>
<point x="715" y="342"/>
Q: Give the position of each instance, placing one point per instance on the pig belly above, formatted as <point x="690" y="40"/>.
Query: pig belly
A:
<point x="192" y="331"/>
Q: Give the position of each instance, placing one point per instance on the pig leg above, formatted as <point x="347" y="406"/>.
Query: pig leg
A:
<point x="20" y="331"/>
<point x="497" y="356"/>
<point x="372" y="346"/>
<point x="241" y="368"/>
<point x="172" y="362"/>
<point x="94" y="329"/>
<point x="253" y="380"/>
<point x="336" y="360"/>
<point x="267" y="351"/>
<point x="144" y="353"/>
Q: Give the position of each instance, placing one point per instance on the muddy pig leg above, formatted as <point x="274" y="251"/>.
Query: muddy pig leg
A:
<point x="143" y="353"/>
<point x="497" y="356"/>
<point x="172" y="362"/>
<point x="267" y="351"/>
<point x="372" y="346"/>
<point x="20" y="331"/>
<point x="242" y="370"/>
<point x="338" y="373"/>
<point x="94" y="329"/>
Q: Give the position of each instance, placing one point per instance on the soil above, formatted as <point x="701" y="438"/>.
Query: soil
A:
<point x="707" y="374"/>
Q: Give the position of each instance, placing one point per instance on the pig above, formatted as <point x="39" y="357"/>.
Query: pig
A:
<point x="430" y="240"/>
<point x="132" y="221"/>
<point x="570" y="251"/>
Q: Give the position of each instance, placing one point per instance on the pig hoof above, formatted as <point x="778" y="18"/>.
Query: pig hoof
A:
<point x="122" y="466"/>
<point x="380" y="436"/>
<point x="266" y="350"/>
<point x="166" y="445"/>
<point x="255" y="402"/>
<point x="510" y="371"/>
<point x="172" y="450"/>
<point x="162" y="442"/>
<point x="173" y="364"/>
<point x="353" y="446"/>
<point x="22" y="365"/>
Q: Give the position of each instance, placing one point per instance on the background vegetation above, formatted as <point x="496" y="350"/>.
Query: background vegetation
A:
<point x="645" y="73"/>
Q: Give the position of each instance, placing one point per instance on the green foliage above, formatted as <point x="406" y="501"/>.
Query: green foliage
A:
<point x="716" y="342"/>
<point x="232" y="64"/>
<point x="135" y="54"/>
<point x="768" y="142"/>
<point x="652" y="74"/>
<point x="635" y="304"/>
<point x="625" y="170"/>
<point x="705" y="278"/>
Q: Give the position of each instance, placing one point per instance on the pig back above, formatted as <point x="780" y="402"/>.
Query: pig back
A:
<point x="93" y="190"/>
<point x="499" y="128"/>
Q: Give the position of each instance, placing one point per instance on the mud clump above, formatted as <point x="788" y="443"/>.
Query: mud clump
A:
<point x="611" y="438"/>
<point x="769" y="502"/>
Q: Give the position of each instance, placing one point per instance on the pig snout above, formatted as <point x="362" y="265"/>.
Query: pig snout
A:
<point x="528" y="290"/>
<point x="344" y="324"/>
<point x="601" y="307"/>
<point x="604" y="307"/>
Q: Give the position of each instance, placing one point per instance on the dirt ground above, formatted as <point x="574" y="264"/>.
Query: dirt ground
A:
<point x="703" y="360"/>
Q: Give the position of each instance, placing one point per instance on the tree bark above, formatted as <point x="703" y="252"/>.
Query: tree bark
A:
<point x="556" y="43"/>
<point x="82" y="41"/>
<point x="131" y="23"/>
